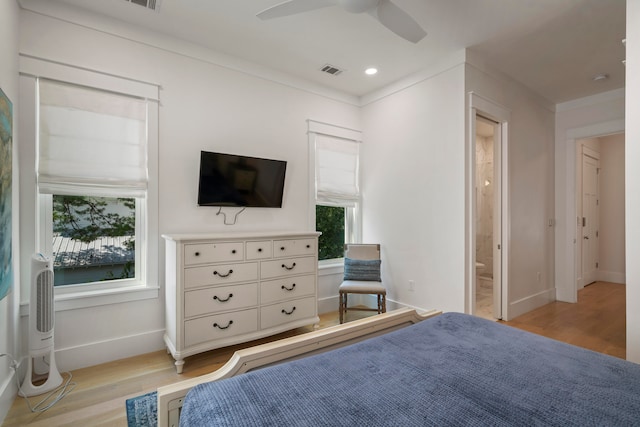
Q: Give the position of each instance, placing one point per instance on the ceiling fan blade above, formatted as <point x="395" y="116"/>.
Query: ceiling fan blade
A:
<point x="398" y="21"/>
<point x="293" y="7"/>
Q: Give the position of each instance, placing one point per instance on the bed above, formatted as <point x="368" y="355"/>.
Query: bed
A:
<point x="449" y="369"/>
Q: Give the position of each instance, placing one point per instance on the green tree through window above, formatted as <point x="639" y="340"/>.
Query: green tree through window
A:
<point x="331" y="222"/>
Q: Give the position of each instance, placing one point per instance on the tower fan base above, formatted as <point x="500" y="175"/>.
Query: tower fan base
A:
<point x="53" y="381"/>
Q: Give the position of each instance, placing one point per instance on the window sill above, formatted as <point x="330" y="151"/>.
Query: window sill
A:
<point x="85" y="299"/>
<point x="331" y="266"/>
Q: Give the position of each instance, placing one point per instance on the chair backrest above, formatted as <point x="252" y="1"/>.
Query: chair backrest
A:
<point x="362" y="251"/>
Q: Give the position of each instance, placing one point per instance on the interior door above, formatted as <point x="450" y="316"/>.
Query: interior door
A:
<point x="590" y="169"/>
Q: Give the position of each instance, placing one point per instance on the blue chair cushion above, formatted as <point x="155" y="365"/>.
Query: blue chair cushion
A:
<point x="359" y="269"/>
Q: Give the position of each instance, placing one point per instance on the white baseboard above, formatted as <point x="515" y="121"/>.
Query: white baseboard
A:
<point x="531" y="302"/>
<point x="8" y="393"/>
<point x="95" y="353"/>
<point x="612" y="276"/>
<point x="328" y="304"/>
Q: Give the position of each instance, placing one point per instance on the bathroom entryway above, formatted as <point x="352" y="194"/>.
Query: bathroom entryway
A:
<point x="487" y="209"/>
<point x="487" y="203"/>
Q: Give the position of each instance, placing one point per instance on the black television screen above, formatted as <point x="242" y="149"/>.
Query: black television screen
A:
<point x="231" y="180"/>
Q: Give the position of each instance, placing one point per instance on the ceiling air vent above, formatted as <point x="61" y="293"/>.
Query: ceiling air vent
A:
<point x="330" y="69"/>
<point x="149" y="4"/>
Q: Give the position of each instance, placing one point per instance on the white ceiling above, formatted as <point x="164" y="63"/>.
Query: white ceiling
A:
<point x="552" y="46"/>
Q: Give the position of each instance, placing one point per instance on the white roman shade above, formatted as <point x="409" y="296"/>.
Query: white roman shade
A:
<point x="337" y="170"/>
<point x="91" y="142"/>
<point x="336" y="164"/>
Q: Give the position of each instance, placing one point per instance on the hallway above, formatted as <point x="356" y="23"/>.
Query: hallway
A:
<point x="597" y="321"/>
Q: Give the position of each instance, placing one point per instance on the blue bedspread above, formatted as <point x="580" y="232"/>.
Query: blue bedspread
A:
<point x="452" y="369"/>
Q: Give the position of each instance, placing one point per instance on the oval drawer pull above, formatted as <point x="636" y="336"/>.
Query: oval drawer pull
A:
<point x="197" y="254"/>
<point x="215" y="325"/>
<point x="282" y="248"/>
<point x="289" y="312"/>
<point x="215" y="273"/>
<point x="233" y="251"/>
<point x="259" y="249"/>
<point x="308" y="246"/>
<point x="288" y="289"/>
<point x="223" y="300"/>
<point x="289" y="268"/>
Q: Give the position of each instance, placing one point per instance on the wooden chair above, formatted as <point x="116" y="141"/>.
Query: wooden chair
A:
<point x="362" y="276"/>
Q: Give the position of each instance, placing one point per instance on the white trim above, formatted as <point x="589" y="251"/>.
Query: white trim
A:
<point x="8" y="390"/>
<point x="566" y="272"/>
<point x="334" y="130"/>
<point x="611" y="276"/>
<point x="96" y="353"/>
<point x="481" y="105"/>
<point x="596" y="130"/>
<point x="588" y="101"/>
<point x="53" y="70"/>
<point x="531" y="302"/>
<point x="95" y="298"/>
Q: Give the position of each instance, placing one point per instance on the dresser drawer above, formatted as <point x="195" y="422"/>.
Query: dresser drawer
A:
<point x="220" y="326"/>
<point x="285" y="312"/>
<point x="220" y="274"/>
<point x="259" y="250"/>
<point x="287" y="267"/>
<point x="205" y="253"/>
<point x="283" y="289"/>
<point x="292" y="247"/>
<point x="220" y="298"/>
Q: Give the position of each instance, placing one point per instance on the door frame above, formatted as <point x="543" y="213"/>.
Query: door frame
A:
<point x="481" y="106"/>
<point x="583" y="151"/>
<point x="566" y="269"/>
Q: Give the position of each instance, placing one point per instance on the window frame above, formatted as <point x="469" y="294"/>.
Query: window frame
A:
<point x="40" y="206"/>
<point x="351" y="229"/>
<point x="353" y="211"/>
<point x="45" y="202"/>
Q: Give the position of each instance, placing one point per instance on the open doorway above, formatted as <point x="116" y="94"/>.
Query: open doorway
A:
<point x="600" y="207"/>
<point x="485" y="213"/>
<point x="487" y="209"/>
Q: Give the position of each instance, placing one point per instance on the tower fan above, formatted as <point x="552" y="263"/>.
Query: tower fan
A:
<point x="42" y="373"/>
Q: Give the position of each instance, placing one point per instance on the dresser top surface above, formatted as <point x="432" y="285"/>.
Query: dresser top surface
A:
<point x="240" y="235"/>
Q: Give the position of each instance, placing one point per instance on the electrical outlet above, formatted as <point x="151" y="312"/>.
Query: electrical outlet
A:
<point x="412" y="285"/>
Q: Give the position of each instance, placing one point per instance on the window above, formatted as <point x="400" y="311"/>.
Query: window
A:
<point x="337" y="195"/>
<point x="94" y="239"/>
<point x="93" y="185"/>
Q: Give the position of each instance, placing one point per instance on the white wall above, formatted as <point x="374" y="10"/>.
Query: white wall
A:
<point x="530" y="168"/>
<point x="413" y="190"/>
<point x="9" y="337"/>
<point x="205" y="105"/>
<point x="612" y="220"/>
<point x="414" y="169"/>
<point x="632" y="179"/>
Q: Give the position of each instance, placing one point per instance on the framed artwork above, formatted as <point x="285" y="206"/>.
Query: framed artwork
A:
<point x="6" y="143"/>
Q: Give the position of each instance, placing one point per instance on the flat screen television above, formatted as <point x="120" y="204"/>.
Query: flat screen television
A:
<point x="232" y="180"/>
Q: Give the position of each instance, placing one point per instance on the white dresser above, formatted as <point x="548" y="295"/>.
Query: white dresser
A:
<point x="224" y="289"/>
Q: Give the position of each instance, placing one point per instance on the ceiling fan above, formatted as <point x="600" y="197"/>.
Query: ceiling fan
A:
<point x="385" y="11"/>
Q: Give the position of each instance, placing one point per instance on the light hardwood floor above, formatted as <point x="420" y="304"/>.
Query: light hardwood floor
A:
<point x="596" y="322"/>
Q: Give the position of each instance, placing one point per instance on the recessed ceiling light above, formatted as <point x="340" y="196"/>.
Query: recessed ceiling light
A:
<point x="600" y="77"/>
<point x="371" y="71"/>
